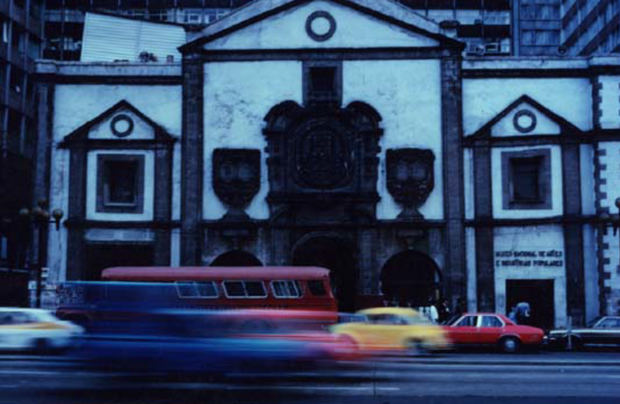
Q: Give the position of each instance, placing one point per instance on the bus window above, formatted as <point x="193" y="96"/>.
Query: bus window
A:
<point x="286" y="289"/>
<point x="255" y="289"/>
<point x="241" y="289"/>
<point x="317" y="288"/>
<point x="197" y="290"/>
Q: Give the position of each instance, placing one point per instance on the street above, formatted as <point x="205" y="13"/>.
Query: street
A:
<point x="588" y="377"/>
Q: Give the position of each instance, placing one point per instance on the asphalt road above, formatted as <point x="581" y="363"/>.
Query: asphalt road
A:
<point x="456" y="378"/>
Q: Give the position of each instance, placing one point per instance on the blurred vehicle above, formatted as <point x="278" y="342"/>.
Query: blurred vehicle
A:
<point x="187" y="341"/>
<point x="210" y="288"/>
<point x="308" y="326"/>
<point x="35" y="329"/>
<point x="604" y="331"/>
<point x="491" y="329"/>
<point x="386" y="329"/>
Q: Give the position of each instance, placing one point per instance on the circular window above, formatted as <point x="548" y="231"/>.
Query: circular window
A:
<point x="121" y="125"/>
<point x="320" y="26"/>
<point x="524" y="121"/>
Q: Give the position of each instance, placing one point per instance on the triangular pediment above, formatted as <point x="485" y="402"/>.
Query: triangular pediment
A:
<point x="302" y="24"/>
<point x="121" y="122"/>
<point x="525" y="117"/>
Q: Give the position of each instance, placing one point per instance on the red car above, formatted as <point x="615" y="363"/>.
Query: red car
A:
<point x="492" y="329"/>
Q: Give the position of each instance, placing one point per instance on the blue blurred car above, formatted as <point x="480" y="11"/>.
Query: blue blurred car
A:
<point x="185" y="341"/>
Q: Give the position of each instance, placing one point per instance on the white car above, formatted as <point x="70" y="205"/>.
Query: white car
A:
<point x="35" y="329"/>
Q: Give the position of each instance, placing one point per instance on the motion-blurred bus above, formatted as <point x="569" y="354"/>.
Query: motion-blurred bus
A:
<point x="127" y="289"/>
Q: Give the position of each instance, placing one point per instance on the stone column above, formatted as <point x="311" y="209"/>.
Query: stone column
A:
<point x="485" y="270"/>
<point x="453" y="189"/>
<point x="573" y="232"/>
<point x="192" y="159"/>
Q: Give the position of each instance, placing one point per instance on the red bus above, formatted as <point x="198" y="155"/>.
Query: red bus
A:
<point x="212" y="288"/>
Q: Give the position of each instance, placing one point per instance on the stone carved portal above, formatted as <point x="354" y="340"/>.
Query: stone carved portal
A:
<point x="236" y="178"/>
<point x="410" y="178"/>
<point x="322" y="159"/>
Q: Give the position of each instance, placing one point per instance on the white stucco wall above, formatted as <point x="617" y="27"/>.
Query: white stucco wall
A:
<point x="235" y="104"/>
<point x="610" y="102"/>
<point x="468" y="183"/>
<point x="590" y="273"/>
<point x="407" y="95"/>
<point x="556" y="185"/>
<point x="160" y="103"/>
<point x="537" y="239"/>
<point x="586" y="160"/>
<point x="470" y="262"/>
<point x="611" y="191"/>
<point x="484" y="98"/>
<point x="75" y="104"/>
<point x="287" y="30"/>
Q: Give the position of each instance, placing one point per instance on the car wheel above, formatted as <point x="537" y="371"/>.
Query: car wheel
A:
<point x="509" y="344"/>
<point x="575" y="345"/>
<point x="41" y="345"/>
<point x="416" y="347"/>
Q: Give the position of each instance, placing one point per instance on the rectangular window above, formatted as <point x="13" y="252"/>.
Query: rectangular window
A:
<point x="526" y="179"/>
<point x="322" y="82"/>
<point x="244" y="289"/>
<point x="322" y="79"/>
<point x="197" y="290"/>
<point x="120" y="183"/>
<point x="317" y="288"/>
<point x="255" y="289"/>
<point x="286" y="289"/>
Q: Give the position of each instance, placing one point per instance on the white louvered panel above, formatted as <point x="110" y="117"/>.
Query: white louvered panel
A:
<point x="107" y="38"/>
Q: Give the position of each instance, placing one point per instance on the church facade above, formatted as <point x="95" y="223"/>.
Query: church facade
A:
<point x="350" y="135"/>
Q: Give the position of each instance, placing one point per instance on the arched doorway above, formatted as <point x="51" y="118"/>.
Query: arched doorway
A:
<point x="335" y="254"/>
<point x="236" y="258"/>
<point x="411" y="278"/>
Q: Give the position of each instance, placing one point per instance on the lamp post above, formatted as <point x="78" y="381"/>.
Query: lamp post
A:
<point x="40" y="218"/>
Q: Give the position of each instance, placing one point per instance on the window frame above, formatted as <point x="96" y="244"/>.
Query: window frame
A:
<point x="313" y="96"/>
<point x="245" y="296"/>
<point x="481" y="319"/>
<point x="544" y="202"/>
<point x="195" y="284"/>
<point x="104" y="206"/>
<point x="294" y="282"/>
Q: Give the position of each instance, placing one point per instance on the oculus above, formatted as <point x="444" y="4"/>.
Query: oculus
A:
<point x="320" y="26"/>
<point x="121" y="125"/>
<point x="524" y="121"/>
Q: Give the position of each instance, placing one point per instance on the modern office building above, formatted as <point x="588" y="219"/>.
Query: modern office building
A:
<point x="590" y="27"/>
<point x="20" y="44"/>
<point x="537" y="27"/>
<point x="483" y="25"/>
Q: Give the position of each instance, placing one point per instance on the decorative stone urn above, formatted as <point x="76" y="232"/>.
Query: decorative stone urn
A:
<point x="410" y="179"/>
<point x="236" y="179"/>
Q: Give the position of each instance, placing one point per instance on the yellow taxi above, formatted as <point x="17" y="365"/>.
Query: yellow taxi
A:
<point x="385" y="329"/>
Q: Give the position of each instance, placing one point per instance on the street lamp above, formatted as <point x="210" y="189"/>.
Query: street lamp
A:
<point x="40" y="217"/>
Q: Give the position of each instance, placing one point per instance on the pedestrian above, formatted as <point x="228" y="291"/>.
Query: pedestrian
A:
<point x="443" y="310"/>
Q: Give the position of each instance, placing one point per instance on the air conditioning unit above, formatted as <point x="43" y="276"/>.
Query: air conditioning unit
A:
<point x="475" y="49"/>
<point x="492" y="48"/>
